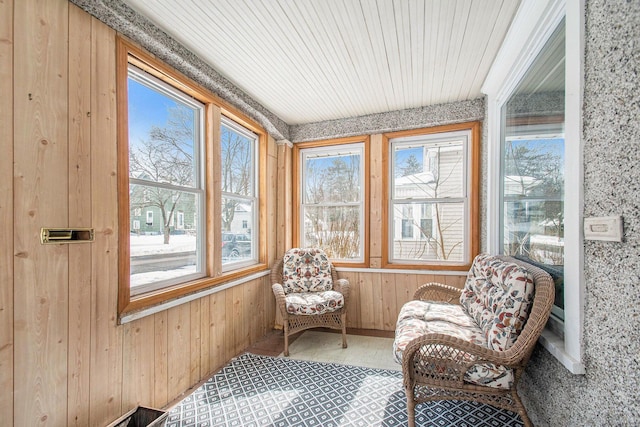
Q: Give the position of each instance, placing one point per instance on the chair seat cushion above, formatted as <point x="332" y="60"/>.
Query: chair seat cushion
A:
<point x="418" y="318"/>
<point x="313" y="303"/>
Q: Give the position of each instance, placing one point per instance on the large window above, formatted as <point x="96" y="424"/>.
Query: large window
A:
<point x="165" y="177"/>
<point x="532" y="166"/>
<point x="535" y="170"/>
<point x="432" y="212"/>
<point x="332" y="193"/>
<point x="239" y="194"/>
<point x="188" y="182"/>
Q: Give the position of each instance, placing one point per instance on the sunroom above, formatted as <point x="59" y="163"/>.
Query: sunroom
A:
<point x="160" y="157"/>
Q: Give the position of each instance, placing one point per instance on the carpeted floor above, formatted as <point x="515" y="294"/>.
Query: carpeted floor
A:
<point x="269" y="391"/>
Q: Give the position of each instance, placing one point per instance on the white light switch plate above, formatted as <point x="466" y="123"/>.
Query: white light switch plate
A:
<point x="608" y="228"/>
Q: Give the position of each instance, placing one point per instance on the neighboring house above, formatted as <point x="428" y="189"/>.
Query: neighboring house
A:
<point x="423" y="227"/>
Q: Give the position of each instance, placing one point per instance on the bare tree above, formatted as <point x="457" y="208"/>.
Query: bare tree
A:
<point x="236" y="172"/>
<point x="166" y="157"/>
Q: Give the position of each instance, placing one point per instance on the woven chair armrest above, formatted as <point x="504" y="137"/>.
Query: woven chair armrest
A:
<point x="444" y="359"/>
<point x="437" y="292"/>
<point x="278" y="291"/>
<point x="342" y="286"/>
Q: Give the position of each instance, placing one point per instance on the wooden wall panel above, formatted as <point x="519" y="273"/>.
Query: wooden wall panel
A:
<point x="161" y="368"/>
<point x="79" y="195"/>
<point x="106" y="336"/>
<point x="6" y="209"/>
<point x="40" y="195"/>
<point x="195" y="341"/>
<point x="179" y="349"/>
<point x="376" y="298"/>
<point x="138" y="363"/>
<point x="376" y="185"/>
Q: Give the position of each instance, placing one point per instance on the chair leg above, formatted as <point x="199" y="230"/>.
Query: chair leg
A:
<point x="286" y="338"/>
<point x="411" y="412"/>
<point x="344" y="330"/>
<point x="521" y="409"/>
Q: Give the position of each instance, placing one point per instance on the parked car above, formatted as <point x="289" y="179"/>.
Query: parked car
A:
<point x="236" y="245"/>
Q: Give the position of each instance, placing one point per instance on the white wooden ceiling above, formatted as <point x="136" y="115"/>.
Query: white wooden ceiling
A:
<point x="316" y="60"/>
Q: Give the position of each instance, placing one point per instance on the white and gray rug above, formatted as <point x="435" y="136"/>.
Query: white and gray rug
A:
<point x="254" y="391"/>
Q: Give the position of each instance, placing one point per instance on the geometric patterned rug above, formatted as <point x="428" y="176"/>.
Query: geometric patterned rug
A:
<point x="254" y="391"/>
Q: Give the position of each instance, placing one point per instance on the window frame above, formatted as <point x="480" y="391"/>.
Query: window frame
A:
<point x="298" y="169"/>
<point x="214" y="111"/>
<point x="472" y="210"/>
<point x="536" y="22"/>
<point x="254" y="199"/>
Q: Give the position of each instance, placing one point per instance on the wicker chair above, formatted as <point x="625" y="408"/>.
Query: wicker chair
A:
<point x="309" y="293"/>
<point x="434" y="365"/>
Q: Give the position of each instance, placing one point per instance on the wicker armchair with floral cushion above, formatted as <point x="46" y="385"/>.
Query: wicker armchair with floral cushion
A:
<point x="473" y="344"/>
<point x="309" y="293"/>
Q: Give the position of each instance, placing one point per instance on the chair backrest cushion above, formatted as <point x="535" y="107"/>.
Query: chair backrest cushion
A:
<point x="306" y="270"/>
<point x="498" y="295"/>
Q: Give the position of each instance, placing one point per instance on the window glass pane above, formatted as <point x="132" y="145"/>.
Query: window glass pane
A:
<point x="334" y="229"/>
<point x="429" y="231"/>
<point x="165" y="191"/>
<point x="429" y="170"/>
<point x="237" y="162"/>
<point x="162" y="135"/>
<point x="533" y="165"/>
<point x="332" y="208"/>
<point x="237" y="240"/>
<point x="160" y="252"/>
<point x="332" y="178"/>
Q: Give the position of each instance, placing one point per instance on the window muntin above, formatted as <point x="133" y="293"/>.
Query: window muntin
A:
<point x="332" y="200"/>
<point x="239" y="195"/>
<point x="430" y="181"/>
<point x="532" y="165"/>
<point x="165" y="175"/>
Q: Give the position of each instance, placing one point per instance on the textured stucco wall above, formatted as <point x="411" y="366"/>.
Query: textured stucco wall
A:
<point x="433" y="115"/>
<point x="609" y="393"/>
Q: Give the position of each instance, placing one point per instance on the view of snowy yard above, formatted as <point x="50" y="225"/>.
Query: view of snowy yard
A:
<point x="153" y="245"/>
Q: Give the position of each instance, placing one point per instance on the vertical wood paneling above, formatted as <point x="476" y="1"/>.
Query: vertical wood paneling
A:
<point x="376" y="193"/>
<point x="79" y="216"/>
<point x="106" y="336"/>
<point x="179" y="349"/>
<point x="239" y="332"/>
<point x="195" y="341"/>
<point x="65" y="356"/>
<point x="6" y="209"/>
<point x="161" y="369"/>
<point x="390" y="307"/>
<point x="272" y="199"/>
<point x="206" y="326"/>
<point x="218" y="332"/>
<point x="138" y="363"/>
<point x="41" y="183"/>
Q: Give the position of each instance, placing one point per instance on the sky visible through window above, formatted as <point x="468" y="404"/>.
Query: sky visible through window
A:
<point x="147" y="108"/>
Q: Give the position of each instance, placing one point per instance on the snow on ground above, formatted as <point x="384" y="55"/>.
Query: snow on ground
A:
<point x="151" y="245"/>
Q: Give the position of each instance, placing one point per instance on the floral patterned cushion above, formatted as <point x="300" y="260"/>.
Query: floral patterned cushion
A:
<point x="312" y="303"/>
<point x="498" y="296"/>
<point x="418" y="318"/>
<point x="306" y="270"/>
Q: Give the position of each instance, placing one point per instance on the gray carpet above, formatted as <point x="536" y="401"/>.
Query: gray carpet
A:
<point x="269" y="391"/>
